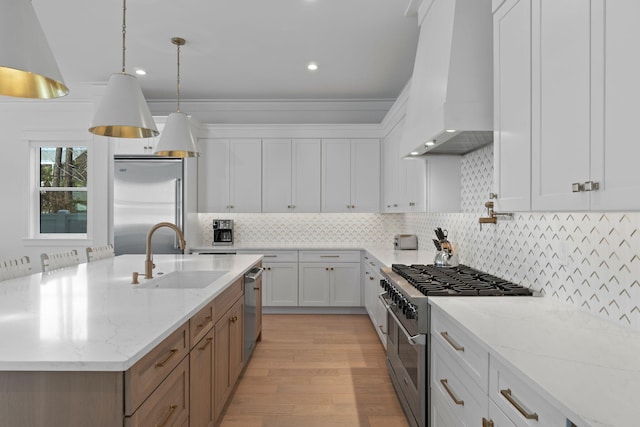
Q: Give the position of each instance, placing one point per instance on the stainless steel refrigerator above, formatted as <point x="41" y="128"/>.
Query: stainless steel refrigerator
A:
<point x="147" y="191"/>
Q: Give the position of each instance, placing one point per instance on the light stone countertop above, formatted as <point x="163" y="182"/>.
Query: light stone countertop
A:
<point x="588" y="366"/>
<point x="90" y="317"/>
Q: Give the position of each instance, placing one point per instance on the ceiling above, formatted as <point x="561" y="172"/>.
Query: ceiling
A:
<point x="239" y="49"/>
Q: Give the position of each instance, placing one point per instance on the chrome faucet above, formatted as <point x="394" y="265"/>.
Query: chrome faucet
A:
<point x="148" y="262"/>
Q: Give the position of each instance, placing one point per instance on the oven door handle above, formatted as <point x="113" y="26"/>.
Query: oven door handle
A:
<point x="419" y="339"/>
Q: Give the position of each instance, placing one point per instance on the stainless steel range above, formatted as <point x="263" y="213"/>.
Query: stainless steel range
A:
<point x="407" y="289"/>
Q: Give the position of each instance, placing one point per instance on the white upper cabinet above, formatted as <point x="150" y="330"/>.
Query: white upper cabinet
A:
<point x="581" y="110"/>
<point x="350" y="175"/>
<point x="134" y="146"/>
<point x="291" y="175"/>
<point x="615" y="107"/>
<point x="561" y="104"/>
<point x="512" y="115"/>
<point x="229" y="175"/>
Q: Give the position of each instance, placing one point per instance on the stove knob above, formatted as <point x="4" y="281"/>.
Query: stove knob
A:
<point x="411" y="313"/>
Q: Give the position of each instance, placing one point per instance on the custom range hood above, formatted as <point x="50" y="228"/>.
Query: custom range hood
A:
<point x="450" y="105"/>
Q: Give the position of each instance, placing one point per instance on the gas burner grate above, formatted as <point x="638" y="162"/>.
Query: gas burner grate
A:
<point x="457" y="281"/>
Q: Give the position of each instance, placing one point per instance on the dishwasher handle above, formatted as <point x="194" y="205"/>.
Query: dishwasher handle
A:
<point x="254" y="273"/>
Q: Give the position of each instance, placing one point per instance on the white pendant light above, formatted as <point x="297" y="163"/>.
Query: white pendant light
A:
<point x="123" y="112"/>
<point x="176" y="139"/>
<point x="27" y="66"/>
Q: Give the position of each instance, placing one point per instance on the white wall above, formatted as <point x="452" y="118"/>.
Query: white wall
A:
<point x="20" y="120"/>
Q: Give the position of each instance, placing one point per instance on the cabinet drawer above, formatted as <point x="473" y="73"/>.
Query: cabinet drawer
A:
<point x="461" y="394"/>
<point x="275" y="256"/>
<point x="143" y="377"/>
<point x="329" y="256"/>
<point x="200" y="324"/>
<point x="168" y="405"/>
<point x="519" y="401"/>
<point x="461" y="347"/>
<point x="227" y="298"/>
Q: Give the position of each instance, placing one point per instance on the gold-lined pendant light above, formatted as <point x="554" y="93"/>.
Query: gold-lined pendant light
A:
<point x="27" y="66"/>
<point x="176" y="139"/>
<point x="123" y="112"/>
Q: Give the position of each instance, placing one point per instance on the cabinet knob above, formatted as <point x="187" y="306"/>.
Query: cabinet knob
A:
<point x="289" y="206"/>
<point x="353" y="206"/>
<point x="326" y="268"/>
<point x="577" y="187"/>
<point x="591" y="186"/>
<point x="395" y="205"/>
<point x="331" y="269"/>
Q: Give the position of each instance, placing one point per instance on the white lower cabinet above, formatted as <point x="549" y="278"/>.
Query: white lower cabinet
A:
<point x="280" y="284"/>
<point x="470" y="387"/>
<point x="464" y="399"/>
<point x="519" y="401"/>
<point x="375" y="308"/>
<point x="329" y="278"/>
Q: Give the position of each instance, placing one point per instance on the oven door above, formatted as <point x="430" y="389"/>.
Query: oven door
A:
<point x="406" y="361"/>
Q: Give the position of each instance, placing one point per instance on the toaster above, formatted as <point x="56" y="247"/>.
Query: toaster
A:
<point x="405" y="241"/>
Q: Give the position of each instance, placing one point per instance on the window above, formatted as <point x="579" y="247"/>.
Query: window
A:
<point x="62" y="190"/>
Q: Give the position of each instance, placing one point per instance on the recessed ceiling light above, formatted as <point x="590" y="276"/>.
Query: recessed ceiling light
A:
<point x="451" y="130"/>
<point x="429" y="143"/>
<point x="140" y="72"/>
<point x="414" y="153"/>
<point x="312" y="66"/>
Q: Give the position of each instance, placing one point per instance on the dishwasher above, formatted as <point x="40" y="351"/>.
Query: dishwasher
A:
<point x="252" y="285"/>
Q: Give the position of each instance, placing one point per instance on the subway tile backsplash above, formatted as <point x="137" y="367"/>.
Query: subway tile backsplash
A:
<point x="589" y="259"/>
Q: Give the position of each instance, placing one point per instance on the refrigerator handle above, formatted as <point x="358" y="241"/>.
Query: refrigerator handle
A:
<point x="178" y="211"/>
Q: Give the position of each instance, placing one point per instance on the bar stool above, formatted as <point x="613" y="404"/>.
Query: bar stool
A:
<point x="12" y="268"/>
<point x="94" y="253"/>
<point x="58" y="260"/>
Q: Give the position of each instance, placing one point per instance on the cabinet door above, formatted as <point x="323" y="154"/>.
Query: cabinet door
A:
<point x="221" y="384"/>
<point x="236" y="341"/>
<point x="201" y="383"/>
<point x="281" y="284"/>
<point x="134" y="146"/>
<point x="498" y="417"/>
<point x="381" y="322"/>
<point x="365" y="175"/>
<point x="213" y="176"/>
<point x="336" y="175"/>
<point x="276" y="175"/>
<point x="415" y="180"/>
<point x="345" y="284"/>
<point x="245" y="171"/>
<point x="561" y="103"/>
<point x="390" y="172"/>
<point x="615" y="90"/>
<point x="512" y="108"/>
<point x="313" y="284"/>
<point x="370" y="292"/>
<point x="306" y="175"/>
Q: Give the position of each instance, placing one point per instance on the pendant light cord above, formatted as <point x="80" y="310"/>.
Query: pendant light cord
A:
<point x="178" y="79"/>
<point x="124" y="31"/>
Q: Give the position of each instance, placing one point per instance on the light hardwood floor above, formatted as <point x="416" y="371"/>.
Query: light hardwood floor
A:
<point x="316" y="370"/>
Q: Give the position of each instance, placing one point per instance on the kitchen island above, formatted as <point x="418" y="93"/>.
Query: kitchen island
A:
<point x="75" y="337"/>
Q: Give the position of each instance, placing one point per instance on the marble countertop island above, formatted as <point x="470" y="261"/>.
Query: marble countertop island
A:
<point x="90" y="317"/>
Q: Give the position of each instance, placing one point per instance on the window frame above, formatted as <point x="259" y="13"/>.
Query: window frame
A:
<point x="51" y="140"/>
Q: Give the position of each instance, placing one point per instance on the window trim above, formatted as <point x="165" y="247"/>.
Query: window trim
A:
<point x="41" y="139"/>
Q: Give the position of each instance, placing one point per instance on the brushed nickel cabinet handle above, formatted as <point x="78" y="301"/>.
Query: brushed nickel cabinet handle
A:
<point x="453" y="397"/>
<point x="519" y="406"/>
<point x="329" y="256"/>
<point x="206" y="344"/>
<point x="451" y="342"/>
<point x="172" y="409"/>
<point x="172" y="353"/>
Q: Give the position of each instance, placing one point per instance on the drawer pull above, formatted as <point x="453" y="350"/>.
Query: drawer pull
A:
<point x="451" y="342"/>
<point x="382" y="330"/>
<point x="451" y="394"/>
<point x="164" y="362"/>
<point x="172" y="409"/>
<point x="233" y="319"/>
<point x="487" y="423"/>
<point x="269" y="256"/>
<point x="519" y="406"/>
<point x="329" y="256"/>
<point x="207" y="320"/>
<point x="206" y="344"/>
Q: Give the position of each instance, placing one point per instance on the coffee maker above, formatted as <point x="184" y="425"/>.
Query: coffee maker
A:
<point x="222" y="232"/>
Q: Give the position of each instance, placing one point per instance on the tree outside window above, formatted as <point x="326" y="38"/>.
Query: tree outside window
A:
<point x="63" y="190"/>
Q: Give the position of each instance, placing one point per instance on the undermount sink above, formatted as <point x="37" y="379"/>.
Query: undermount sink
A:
<point x="183" y="280"/>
